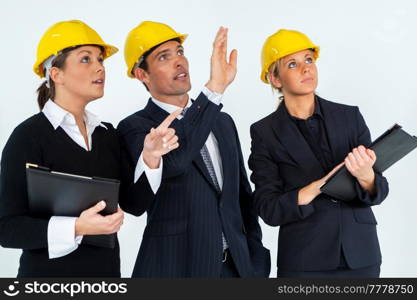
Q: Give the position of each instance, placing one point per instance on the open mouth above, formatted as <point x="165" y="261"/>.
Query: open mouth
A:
<point x="98" y="81"/>
<point x="181" y="76"/>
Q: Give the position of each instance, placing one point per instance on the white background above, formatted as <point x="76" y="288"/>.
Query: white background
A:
<point x="368" y="58"/>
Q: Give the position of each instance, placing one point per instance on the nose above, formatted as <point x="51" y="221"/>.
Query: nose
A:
<point x="180" y="61"/>
<point x="100" y="67"/>
<point x="306" y="68"/>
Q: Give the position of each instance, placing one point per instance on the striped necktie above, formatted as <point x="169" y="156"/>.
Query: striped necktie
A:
<point x="209" y="165"/>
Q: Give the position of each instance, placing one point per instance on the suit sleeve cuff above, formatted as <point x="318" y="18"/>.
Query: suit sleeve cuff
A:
<point x="61" y="240"/>
<point x="303" y="210"/>
<point x="306" y="210"/>
<point x="154" y="176"/>
<point x="214" y="97"/>
<point x="381" y="191"/>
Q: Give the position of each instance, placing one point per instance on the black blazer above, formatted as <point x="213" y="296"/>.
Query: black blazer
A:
<point x="36" y="141"/>
<point x="184" y="223"/>
<point x="311" y="236"/>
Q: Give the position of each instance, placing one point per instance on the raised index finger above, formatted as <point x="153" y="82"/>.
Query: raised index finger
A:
<point x="168" y="120"/>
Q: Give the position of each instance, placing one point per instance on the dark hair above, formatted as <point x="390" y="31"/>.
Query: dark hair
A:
<point x="144" y="64"/>
<point x="45" y="93"/>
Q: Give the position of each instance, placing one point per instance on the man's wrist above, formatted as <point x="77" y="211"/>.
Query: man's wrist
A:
<point x="215" y="87"/>
<point x="151" y="161"/>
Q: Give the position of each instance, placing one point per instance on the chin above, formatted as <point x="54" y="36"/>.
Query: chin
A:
<point x="188" y="87"/>
<point x="183" y="90"/>
<point x="307" y="90"/>
<point x="95" y="97"/>
<point x="99" y="95"/>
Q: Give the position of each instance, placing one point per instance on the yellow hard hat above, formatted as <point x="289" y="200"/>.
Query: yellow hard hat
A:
<point x="282" y="43"/>
<point x="143" y="37"/>
<point x="67" y="34"/>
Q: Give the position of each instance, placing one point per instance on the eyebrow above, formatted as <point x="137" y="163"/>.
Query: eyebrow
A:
<point x="285" y="62"/>
<point x="308" y="54"/>
<point x="89" y="52"/>
<point x="167" y="50"/>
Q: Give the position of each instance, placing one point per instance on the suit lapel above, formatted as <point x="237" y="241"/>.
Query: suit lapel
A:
<point x="222" y="145"/>
<point x="336" y="131"/>
<point x="291" y="138"/>
<point x="225" y="149"/>
<point x="199" y="162"/>
<point x="155" y="112"/>
<point x="158" y="115"/>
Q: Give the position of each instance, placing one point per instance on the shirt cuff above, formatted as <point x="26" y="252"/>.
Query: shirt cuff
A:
<point x="154" y="175"/>
<point x="214" y="97"/>
<point x="61" y="240"/>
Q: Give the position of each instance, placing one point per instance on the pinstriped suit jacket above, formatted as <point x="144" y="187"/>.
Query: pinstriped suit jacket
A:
<point x="185" y="220"/>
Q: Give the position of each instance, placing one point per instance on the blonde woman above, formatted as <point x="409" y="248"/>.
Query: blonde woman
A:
<point x="294" y="150"/>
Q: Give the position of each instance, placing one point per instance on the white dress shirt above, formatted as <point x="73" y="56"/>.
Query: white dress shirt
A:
<point x="61" y="230"/>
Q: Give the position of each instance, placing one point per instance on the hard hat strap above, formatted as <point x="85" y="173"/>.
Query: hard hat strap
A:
<point x="137" y="64"/>
<point x="47" y="65"/>
<point x="140" y="61"/>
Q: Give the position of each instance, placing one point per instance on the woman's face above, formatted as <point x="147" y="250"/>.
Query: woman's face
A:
<point x="83" y="75"/>
<point x="297" y="74"/>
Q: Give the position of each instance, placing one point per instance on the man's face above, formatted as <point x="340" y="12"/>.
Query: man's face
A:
<point x="167" y="73"/>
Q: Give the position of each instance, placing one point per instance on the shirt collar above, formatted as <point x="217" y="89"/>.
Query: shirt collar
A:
<point x="57" y="116"/>
<point x="93" y="120"/>
<point x="317" y="110"/>
<point x="170" y="108"/>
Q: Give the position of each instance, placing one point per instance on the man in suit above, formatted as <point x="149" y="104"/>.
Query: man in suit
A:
<point x="202" y="221"/>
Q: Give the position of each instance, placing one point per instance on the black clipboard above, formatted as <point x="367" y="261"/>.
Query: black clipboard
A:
<point x="53" y="193"/>
<point x="389" y="148"/>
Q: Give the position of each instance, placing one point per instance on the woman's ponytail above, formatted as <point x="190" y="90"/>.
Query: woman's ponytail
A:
<point x="44" y="94"/>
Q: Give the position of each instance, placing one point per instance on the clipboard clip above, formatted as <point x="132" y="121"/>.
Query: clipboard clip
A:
<point x="35" y="166"/>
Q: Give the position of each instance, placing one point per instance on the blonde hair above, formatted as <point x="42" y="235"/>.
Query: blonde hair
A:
<point x="273" y="70"/>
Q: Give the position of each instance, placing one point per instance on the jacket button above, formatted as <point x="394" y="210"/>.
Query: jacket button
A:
<point x="335" y="201"/>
